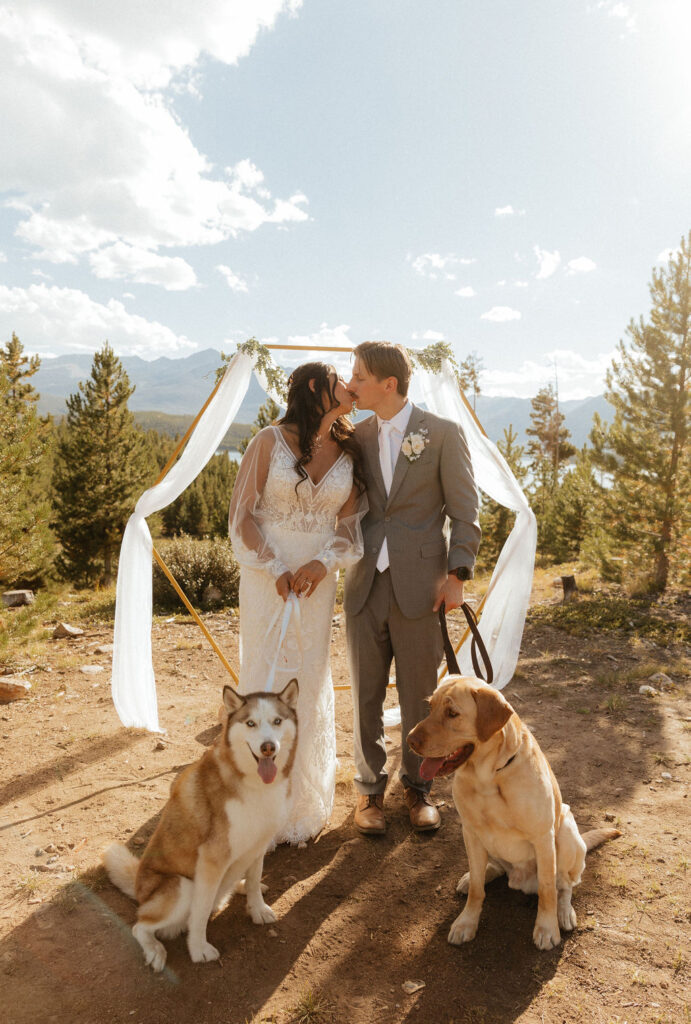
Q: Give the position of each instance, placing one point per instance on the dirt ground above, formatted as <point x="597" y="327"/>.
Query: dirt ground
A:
<point x="357" y="916"/>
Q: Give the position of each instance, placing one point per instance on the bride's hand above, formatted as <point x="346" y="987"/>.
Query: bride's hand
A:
<point x="284" y="584"/>
<point x="308" y="577"/>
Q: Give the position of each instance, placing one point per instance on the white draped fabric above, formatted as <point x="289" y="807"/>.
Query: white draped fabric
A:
<point x="504" y="610"/>
<point x="503" y="615"/>
<point x="133" y="683"/>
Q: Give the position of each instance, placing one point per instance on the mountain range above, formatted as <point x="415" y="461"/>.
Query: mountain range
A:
<point x="169" y="392"/>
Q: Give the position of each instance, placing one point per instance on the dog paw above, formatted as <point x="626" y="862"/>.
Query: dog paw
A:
<point x="263" y="914"/>
<point x="546" y="936"/>
<point x="156" y="957"/>
<point x="462" y="930"/>
<point x="464" y="883"/>
<point x="567" y="918"/>
<point x="202" y="952"/>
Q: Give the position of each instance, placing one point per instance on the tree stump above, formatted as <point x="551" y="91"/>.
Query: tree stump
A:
<point x="570" y="588"/>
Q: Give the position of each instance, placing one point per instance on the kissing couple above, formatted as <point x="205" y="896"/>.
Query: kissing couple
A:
<point x="393" y="501"/>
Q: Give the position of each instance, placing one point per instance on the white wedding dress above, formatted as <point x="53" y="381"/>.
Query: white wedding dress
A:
<point x="275" y="527"/>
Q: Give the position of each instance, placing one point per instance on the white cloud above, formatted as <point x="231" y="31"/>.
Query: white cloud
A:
<point x="667" y="254"/>
<point x="581" y="265"/>
<point x="98" y="154"/>
<point x="433" y="336"/>
<point x="549" y="261"/>
<point x="521" y="284"/>
<point x="312" y="345"/>
<point x="122" y="261"/>
<point x="578" y="377"/>
<point x="466" y="293"/>
<point x="434" y="264"/>
<point x="56" y="320"/>
<point x="508" y="211"/>
<point x="324" y="336"/>
<point x="501" y="314"/>
<point x="3" y="257"/>
<point x="235" y="283"/>
<point x="622" y="12"/>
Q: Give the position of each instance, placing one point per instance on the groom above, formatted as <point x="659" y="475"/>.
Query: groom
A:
<point x="419" y="475"/>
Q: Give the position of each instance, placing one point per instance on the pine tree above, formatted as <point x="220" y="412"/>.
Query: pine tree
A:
<point x="18" y="368"/>
<point x="202" y="509"/>
<point x="573" y="510"/>
<point x="101" y="467"/>
<point x="646" y="448"/>
<point x="548" y="449"/>
<point x="268" y="413"/>
<point x="496" y="520"/>
<point x="25" y="540"/>
<point x="469" y="375"/>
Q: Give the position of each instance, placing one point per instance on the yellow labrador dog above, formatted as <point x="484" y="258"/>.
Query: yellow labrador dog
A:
<point x="513" y="818"/>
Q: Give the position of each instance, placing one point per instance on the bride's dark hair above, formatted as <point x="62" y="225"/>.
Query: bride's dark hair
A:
<point x="305" y="409"/>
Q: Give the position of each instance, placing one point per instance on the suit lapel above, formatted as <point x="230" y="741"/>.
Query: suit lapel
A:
<point x="403" y="464"/>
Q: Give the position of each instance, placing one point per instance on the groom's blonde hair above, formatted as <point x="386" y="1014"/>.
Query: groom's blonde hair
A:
<point x="386" y="359"/>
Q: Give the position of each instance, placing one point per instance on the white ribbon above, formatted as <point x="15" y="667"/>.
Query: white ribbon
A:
<point x="291" y="609"/>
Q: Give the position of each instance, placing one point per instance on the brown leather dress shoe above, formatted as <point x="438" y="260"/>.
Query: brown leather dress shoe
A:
<point x="369" y="814"/>
<point x="424" y="816"/>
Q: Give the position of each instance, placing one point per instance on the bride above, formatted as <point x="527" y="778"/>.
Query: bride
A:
<point x="294" y="521"/>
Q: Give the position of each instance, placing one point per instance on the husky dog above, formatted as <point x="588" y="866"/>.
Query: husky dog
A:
<point x="222" y="814"/>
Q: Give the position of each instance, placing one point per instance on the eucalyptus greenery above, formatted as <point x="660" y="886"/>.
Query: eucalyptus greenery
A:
<point x="432" y="357"/>
<point x="275" y="376"/>
<point x="429" y="358"/>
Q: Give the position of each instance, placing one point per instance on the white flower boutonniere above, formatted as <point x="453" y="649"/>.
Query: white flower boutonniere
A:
<point x="413" y="445"/>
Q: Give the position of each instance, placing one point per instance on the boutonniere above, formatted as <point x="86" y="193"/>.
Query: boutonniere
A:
<point x="414" y="444"/>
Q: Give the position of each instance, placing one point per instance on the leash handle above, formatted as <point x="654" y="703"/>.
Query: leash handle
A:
<point x="292" y="608"/>
<point x="476" y="644"/>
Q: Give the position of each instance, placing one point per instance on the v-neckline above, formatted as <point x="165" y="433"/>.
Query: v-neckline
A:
<point x="329" y="470"/>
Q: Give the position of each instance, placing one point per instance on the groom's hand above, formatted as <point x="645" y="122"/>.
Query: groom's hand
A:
<point x="284" y="584"/>
<point x="451" y="593"/>
<point x="308" y="577"/>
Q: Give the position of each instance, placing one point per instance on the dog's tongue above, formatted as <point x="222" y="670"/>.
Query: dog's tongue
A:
<point x="266" y="766"/>
<point x="430" y="766"/>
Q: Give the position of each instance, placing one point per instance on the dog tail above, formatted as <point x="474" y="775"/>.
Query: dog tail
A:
<point x="597" y="836"/>
<point x="121" y="866"/>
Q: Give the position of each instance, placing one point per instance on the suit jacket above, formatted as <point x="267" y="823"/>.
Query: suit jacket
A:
<point x="436" y="488"/>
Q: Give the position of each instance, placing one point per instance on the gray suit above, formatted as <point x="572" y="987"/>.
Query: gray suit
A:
<point x="389" y="615"/>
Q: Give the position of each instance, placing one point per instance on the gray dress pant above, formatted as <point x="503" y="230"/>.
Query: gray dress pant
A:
<point x="376" y="636"/>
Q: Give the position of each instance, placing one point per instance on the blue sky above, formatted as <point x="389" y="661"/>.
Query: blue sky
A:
<point x="502" y="175"/>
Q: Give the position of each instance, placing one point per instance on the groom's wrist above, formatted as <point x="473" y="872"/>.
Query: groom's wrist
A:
<point x="462" y="573"/>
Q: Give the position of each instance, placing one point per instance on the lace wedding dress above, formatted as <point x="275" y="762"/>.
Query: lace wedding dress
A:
<point x="276" y="527"/>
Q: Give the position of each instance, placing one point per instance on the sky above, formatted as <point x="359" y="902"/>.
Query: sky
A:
<point x="184" y="175"/>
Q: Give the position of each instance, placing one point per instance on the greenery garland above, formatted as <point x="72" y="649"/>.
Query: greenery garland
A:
<point x="429" y="358"/>
<point x="432" y="357"/>
<point x="274" y="375"/>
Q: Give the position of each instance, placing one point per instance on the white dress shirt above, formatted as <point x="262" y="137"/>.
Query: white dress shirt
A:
<point x="397" y="428"/>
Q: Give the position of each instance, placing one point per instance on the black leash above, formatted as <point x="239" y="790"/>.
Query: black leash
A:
<point x="476" y="644"/>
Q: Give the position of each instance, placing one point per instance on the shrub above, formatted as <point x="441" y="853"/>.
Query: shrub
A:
<point x="200" y="567"/>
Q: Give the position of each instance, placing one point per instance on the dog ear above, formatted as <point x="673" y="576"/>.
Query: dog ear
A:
<point x="232" y="700"/>
<point x="289" y="694"/>
<point x="493" y="712"/>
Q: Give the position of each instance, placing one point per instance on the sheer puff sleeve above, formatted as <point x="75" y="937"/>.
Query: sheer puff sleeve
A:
<point x="250" y="546"/>
<point x="346" y="547"/>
